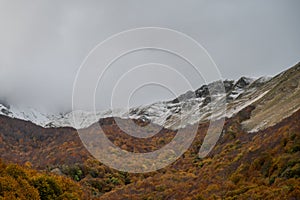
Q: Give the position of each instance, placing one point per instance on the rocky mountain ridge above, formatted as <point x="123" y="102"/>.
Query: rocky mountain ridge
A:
<point x="158" y="112"/>
<point x="191" y="107"/>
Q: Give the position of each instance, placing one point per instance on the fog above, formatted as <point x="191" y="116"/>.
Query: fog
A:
<point x="43" y="44"/>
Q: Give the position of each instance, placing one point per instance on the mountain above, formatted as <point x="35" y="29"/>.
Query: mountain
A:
<point x="189" y="108"/>
<point x="282" y="98"/>
<point x="260" y="165"/>
<point x="256" y="157"/>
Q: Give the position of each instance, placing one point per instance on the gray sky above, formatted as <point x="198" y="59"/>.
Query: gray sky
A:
<point x="43" y="43"/>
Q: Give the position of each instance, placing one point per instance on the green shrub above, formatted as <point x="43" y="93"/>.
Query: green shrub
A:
<point x="47" y="187"/>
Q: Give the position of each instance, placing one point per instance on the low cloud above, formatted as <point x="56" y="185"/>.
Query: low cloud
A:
<point x="43" y="43"/>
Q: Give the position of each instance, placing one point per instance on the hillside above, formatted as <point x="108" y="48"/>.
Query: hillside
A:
<point x="264" y="164"/>
<point x="23" y="141"/>
<point x="248" y="162"/>
<point x="192" y="107"/>
<point x="261" y="165"/>
<point x="281" y="100"/>
<point x="17" y="182"/>
<point x="189" y="108"/>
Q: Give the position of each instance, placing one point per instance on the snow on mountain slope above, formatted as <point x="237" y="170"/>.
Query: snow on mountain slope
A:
<point x="189" y="108"/>
<point x="273" y="99"/>
<point x="27" y="114"/>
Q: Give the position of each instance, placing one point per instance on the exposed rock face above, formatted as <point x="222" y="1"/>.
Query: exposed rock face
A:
<point x="243" y="82"/>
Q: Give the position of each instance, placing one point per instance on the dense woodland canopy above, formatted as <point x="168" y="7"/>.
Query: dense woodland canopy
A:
<point x="261" y="165"/>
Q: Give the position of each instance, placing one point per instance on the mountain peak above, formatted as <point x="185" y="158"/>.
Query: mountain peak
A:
<point x="244" y="81"/>
<point x="239" y="94"/>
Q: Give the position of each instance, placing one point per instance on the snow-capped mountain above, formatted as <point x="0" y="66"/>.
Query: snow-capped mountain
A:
<point x="273" y="98"/>
<point x="189" y="108"/>
<point x="26" y="113"/>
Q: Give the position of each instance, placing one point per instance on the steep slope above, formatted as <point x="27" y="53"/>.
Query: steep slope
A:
<point x="22" y="141"/>
<point x="189" y="108"/>
<point x="24" y="113"/>
<point x="275" y="98"/>
<point x="282" y="100"/>
<point x="260" y="165"/>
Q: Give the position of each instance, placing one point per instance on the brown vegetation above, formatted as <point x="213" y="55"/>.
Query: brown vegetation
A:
<point x="262" y="165"/>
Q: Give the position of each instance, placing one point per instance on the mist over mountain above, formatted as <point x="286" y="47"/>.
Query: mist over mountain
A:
<point x="186" y="109"/>
<point x="44" y="43"/>
<point x="150" y="100"/>
<point x="256" y="156"/>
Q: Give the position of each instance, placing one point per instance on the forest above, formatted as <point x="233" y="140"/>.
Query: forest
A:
<point x="39" y="163"/>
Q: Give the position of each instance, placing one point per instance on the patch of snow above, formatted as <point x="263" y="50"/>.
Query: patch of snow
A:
<point x="169" y="114"/>
<point x="264" y="79"/>
<point x="240" y="106"/>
